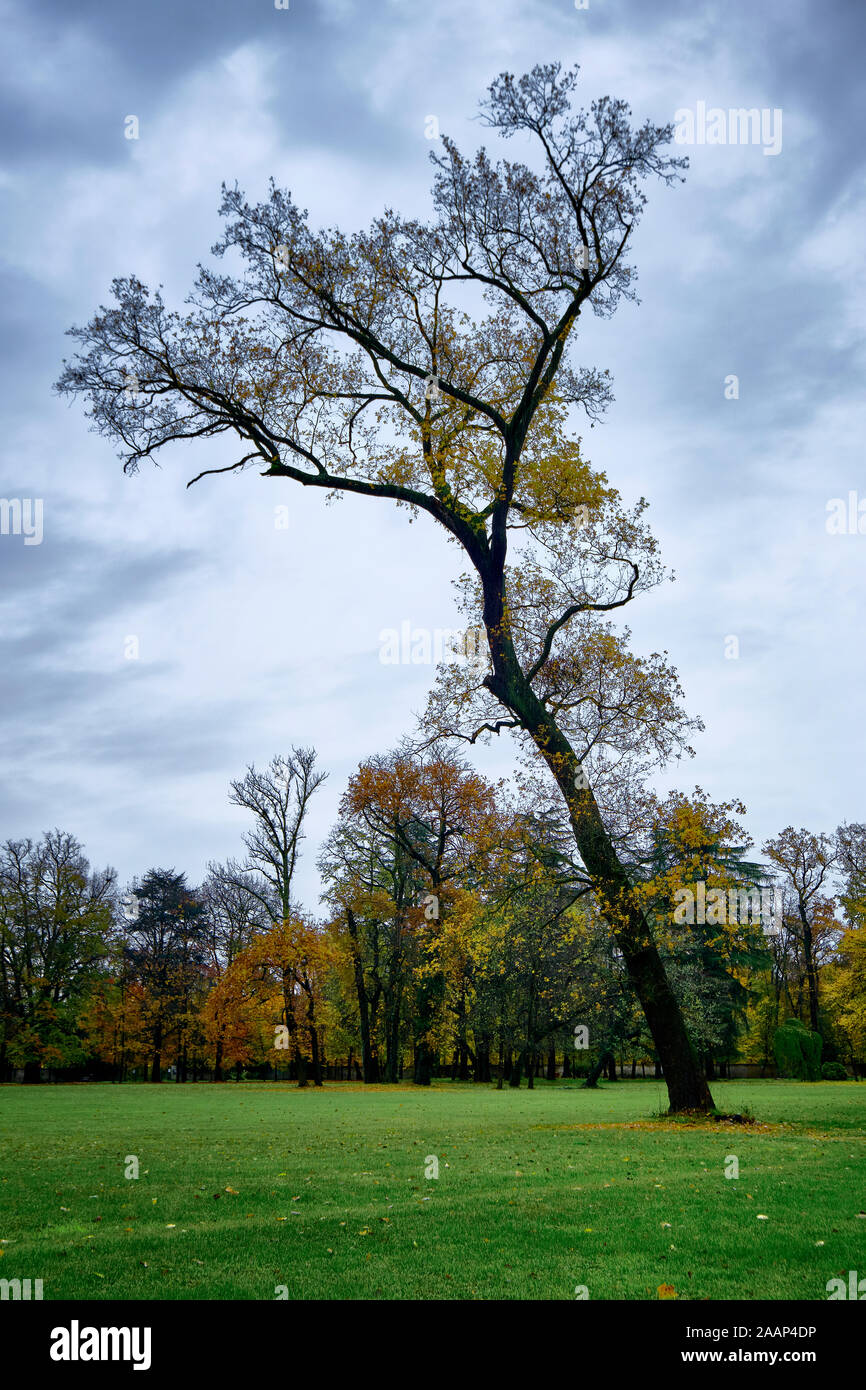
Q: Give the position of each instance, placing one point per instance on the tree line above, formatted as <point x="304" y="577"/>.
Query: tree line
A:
<point x="457" y="934"/>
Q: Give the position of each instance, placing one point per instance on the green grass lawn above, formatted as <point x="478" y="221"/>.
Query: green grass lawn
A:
<point x="244" y="1187"/>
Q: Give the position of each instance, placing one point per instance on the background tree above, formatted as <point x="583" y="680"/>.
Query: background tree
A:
<point x="232" y="917"/>
<point x="291" y="962"/>
<point x="371" y="885"/>
<point x="693" y="845"/>
<point x="279" y="799"/>
<point x="348" y="363"/>
<point x="845" y="994"/>
<point x="55" y="930"/>
<point x="166" y="951"/>
<point x="440" y="815"/>
<point x="850" y="863"/>
<point x="805" y="863"/>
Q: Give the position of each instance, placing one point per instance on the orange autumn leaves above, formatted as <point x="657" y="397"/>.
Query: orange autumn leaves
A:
<point x="279" y="978"/>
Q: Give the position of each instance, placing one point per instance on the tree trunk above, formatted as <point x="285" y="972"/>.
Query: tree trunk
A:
<point x="551" y="1064"/>
<point x="156" y="1062"/>
<point x="367" y="1060"/>
<point x="482" y="1058"/>
<point x="392" y="1035"/>
<point x="301" y="1065"/>
<point x="811" y="972"/>
<point x="313" y="1034"/>
<point x="604" y="1059"/>
<point x="423" y="1064"/>
<point x="687" y="1086"/>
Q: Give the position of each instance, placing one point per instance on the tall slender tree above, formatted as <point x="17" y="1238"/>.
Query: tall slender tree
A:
<point x="360" y="364"/>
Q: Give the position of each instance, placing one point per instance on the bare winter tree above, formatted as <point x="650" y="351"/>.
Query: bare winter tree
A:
<point x="279" y="799"/>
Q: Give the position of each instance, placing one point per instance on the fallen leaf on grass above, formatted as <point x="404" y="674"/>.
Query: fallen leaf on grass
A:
<point x="666" y="1291"/>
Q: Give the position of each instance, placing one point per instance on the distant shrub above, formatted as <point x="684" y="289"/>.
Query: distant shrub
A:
<point x="798" y="1051"/>
<point x="833" y="1071"/>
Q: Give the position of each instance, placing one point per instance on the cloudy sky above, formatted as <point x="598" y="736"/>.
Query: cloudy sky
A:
<point x="252" y="638"/>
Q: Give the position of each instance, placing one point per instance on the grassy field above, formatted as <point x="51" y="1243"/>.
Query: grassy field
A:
<point x="246" y="1187"/>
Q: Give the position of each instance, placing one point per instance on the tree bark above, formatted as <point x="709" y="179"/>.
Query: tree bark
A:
<point x="367" y="1060"/>
<point x="811" y="972"/>
<point x="423" y="1064"/>
<point x="482" y="1058"/>
<point x="603" y="1060"/>
<point x="156" y="1062"/>
<point x="687" y="1086"/>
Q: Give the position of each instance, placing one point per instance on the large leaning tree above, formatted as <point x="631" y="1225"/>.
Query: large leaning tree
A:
<point x="428" y="363"/>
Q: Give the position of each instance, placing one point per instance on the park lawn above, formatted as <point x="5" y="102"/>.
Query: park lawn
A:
<point x="247" y="1187"/>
